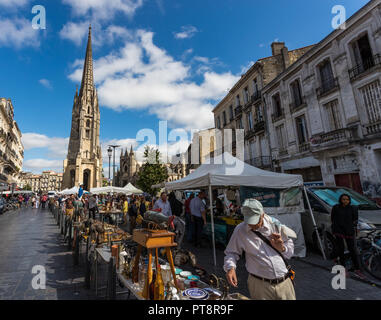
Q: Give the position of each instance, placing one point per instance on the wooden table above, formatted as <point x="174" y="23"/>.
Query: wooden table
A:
<point x="153" y="240"/>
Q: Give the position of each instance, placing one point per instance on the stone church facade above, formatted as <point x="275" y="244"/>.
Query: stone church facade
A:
<point x="83" y="164"/>
<point x="129" y="169"/>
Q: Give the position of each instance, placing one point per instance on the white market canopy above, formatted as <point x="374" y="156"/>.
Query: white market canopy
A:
<point x="73" y="190"/>
<point x="109" y="189"/>
<point x="226" y="170"/>
<point x="131" y="188"/>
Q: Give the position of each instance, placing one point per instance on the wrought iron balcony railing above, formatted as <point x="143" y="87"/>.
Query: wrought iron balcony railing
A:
<point x="278" y="116"/>
<point x="327" y="85"/>
<point x="368" y="64"/>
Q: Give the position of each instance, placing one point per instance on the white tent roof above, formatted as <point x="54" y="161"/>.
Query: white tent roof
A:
<point x="226" y="170"/>
<point x="130" y="187"/>
<point x="109" y="189"/>
<point x="73" y="190"/>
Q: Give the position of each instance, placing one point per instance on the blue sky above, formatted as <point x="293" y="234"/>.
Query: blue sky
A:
<point x="154" y="60"/>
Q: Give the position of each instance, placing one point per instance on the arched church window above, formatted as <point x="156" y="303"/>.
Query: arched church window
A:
<point x="88" y="123"/>
<point x="88" y="109"/>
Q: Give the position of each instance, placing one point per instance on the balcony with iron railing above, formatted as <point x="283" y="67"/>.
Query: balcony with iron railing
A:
<point x="259" y="126"/>
<point x="283" y="152"/>
<point x="256" y="96"/>
<point x="278" y="115"/>
<point x="260" y="162"/>
<point x="327" y="86"/>
<point x="369" y="64"/>
<point x="238" y="110"/>
<point x="304" y="147"/>
<point x="298" y="104"/>
<point x="334" y="136"/>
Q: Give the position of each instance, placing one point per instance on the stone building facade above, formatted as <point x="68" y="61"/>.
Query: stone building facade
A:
<point x="327" y="123"/>
<point x="317" y="114"/>
<point x="11" y="147"/>
<point x="243" y="107"/>
<point x="83" y="164"/>
<point x="47" y="181"/>
<point x="128" y="169"/>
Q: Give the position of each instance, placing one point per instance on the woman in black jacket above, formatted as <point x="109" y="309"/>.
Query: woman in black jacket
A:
<point x="344" y="217"/>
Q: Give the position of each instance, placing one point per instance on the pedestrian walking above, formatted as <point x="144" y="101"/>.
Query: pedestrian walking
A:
<point x="92" y="206"/>
<point x="270" y="277"/>
<point x="344" y="218"/>
<point x="188" y="218"/>
<point x="198" y="216"/>
<point x="132" y="213"/>
<point x="176" y="205"/>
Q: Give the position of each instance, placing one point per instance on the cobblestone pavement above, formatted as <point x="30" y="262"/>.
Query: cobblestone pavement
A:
<point x="30" y="237"/>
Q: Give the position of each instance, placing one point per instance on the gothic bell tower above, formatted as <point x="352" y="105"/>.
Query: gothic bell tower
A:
<point x="83" y="164"/>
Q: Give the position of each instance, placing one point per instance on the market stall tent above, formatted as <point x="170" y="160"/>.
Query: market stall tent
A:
<point x="109" y="189"/>
<point x="228" y="171"/>
<point x="131" y="188"/>
<point x="73" y="190"/>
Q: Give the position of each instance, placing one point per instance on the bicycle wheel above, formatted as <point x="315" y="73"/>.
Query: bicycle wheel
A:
<point x="371" y="262"/>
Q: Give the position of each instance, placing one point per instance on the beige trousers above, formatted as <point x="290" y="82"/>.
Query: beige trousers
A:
<point x="263" y="290"/>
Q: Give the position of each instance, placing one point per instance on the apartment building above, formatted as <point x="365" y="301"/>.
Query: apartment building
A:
<point x="244" y="108"/>
<point x="324" y="111"/>
<point x="11" y="147"/>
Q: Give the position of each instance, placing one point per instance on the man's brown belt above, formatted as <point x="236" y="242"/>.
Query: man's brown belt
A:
<point x="273" y="281"/>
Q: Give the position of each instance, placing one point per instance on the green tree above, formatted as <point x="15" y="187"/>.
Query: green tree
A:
<point x="28" y="188"/>
<point x="153" y="171"/>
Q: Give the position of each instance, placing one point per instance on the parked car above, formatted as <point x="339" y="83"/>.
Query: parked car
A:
<point x="322" y="199"/>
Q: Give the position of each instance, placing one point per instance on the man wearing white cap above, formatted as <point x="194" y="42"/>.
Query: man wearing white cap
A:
<point x="266" y="243"/>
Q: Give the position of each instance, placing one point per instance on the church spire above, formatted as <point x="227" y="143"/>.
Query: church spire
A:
<point x="88" y="76"/>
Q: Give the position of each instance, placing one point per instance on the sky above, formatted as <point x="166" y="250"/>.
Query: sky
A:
<point x="154" y="60"/>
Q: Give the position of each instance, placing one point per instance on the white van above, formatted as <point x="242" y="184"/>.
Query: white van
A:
<point x="52" y="194"/>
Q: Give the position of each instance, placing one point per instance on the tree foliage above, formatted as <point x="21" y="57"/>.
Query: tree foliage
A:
<point x="152" y="172"/>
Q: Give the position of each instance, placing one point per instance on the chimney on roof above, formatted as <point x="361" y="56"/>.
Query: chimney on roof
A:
<point x="277" y="47"/>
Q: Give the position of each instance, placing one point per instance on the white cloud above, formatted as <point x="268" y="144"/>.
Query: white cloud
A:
<point x="143" y="76"/>
<point x="57" y="146"/>
<point x="77" y="32"/>
<point x="244" y="69"/>
<point x="39" y="165"/>
<point x="13" y="3"/>
<point x="103" y="9"/>
<point x="18" y="32"/>
<point x="46" y="83"/>
<point x="186" y="32"/>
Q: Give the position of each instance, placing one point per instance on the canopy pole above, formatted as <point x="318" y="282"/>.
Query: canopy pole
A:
<point x="212" y="222"/>
<point x="314" y="223"/>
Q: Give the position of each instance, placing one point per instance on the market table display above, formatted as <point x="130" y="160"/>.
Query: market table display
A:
<point x="159" y="279"/>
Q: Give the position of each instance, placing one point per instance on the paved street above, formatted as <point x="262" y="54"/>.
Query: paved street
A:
<point x="30" y="237"/>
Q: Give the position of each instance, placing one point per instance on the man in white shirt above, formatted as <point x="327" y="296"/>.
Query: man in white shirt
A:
<point x="198" y="215"/>
<point x="163" y="204"/>
<point x="269" y="278"/>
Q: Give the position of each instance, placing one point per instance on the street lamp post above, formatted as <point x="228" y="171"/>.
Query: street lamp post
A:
<point x="109" y="152"/>
<point x="113" y="164"/>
